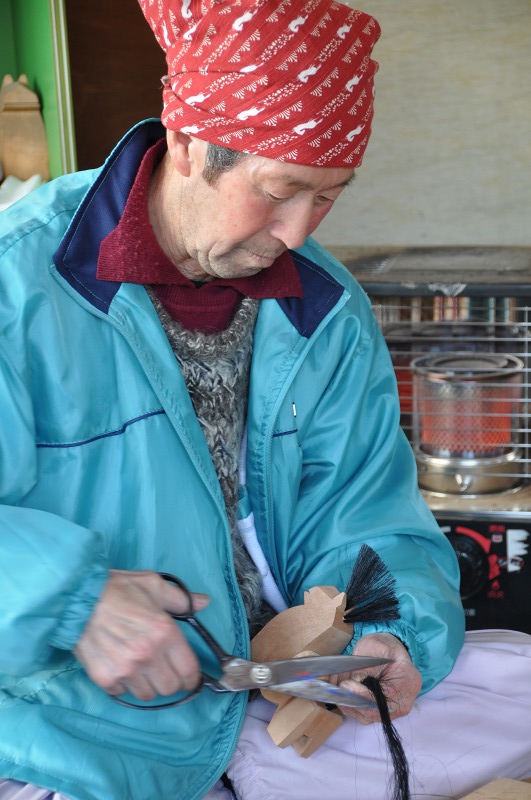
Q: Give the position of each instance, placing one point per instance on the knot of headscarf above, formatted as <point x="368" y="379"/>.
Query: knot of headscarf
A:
<point x="284" y="79"/>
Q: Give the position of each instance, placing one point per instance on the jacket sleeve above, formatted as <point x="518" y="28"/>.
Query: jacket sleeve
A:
<point x="358" y="484"/>
<point x="51" y="570"/>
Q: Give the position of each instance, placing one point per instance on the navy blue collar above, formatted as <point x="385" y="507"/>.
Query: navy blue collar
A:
<point x="99" y="213"/>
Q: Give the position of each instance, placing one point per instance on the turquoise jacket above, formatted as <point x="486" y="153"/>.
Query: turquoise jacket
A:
<point x="103" y="465"/>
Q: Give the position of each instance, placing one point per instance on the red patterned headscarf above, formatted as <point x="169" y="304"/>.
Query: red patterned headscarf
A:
<point x="286" y="79"/>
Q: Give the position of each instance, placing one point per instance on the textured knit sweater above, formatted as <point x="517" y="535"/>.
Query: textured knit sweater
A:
<point x="216" y="370"/>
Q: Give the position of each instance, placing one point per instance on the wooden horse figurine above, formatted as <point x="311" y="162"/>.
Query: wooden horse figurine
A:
<point x="323" y="626"/>
<point x="315" y="628"/>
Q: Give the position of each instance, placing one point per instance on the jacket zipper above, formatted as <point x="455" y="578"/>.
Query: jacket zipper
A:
<point x="273" y="416"/>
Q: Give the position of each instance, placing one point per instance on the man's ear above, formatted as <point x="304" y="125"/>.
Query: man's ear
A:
<point x="184" y="152"/>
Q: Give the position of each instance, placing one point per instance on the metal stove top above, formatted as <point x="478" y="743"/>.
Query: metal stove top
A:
<point x="487" y="271"/>
<point x="513" y="504"/>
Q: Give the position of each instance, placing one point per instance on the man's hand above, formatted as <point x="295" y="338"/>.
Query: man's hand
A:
<point x="131" y="644"/>
<point x="401" y="681"/>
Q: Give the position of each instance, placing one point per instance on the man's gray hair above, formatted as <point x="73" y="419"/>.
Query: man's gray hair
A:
<point x="219" y="159"/>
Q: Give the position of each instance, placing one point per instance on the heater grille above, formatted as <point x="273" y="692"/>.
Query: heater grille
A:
<point x="457" y="322"/>
<point x="463" y="382"/>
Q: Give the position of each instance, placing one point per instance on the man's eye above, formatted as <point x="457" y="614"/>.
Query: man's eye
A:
<point x="275" y="198"/>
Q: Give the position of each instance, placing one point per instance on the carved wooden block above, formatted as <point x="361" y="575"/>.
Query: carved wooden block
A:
<point x="315" y="628"/>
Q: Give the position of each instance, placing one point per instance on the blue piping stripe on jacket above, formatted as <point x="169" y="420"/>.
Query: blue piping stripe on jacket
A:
<point x="117" y="432"/>
<point x="285" y="433"/>
<point x="77" y="256"/>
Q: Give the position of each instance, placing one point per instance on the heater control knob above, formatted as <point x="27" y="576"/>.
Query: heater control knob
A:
<point x="473" y="564"/>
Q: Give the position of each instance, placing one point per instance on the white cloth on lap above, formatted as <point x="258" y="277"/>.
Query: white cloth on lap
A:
<point x="473" y="727"/>
<point x="14" y="790"/>
<point x="218" y="792"/>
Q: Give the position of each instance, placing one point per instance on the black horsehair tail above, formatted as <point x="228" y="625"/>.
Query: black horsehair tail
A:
<point x="371" y="597"/>
<point x="394" y="743"/>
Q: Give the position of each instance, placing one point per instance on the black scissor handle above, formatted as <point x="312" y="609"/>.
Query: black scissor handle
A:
<point x="189" y="617"/>
<point x="158" y="706"/>
<point x="185" y="615"/>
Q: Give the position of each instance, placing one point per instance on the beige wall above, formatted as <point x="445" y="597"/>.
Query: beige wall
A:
<point x="450" y="157"/>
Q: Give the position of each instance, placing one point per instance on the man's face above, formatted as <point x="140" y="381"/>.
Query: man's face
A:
<point x="252" y="214"/>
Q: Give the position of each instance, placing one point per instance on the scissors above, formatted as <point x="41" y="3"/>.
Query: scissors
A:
<point x="298" y="677"/>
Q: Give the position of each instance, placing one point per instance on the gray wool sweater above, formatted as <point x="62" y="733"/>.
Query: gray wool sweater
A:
<point x="216" y="369"/>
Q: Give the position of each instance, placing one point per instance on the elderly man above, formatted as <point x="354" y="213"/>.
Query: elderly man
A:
<point x="190" y="385"/>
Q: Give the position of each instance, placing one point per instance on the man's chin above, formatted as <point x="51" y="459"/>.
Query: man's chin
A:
<point x="245" y="271"/>
<point x="244" y="264"/>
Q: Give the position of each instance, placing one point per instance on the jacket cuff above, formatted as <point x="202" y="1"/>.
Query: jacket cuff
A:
<point x="396" y="628"/>
<point x="80" y="606"/>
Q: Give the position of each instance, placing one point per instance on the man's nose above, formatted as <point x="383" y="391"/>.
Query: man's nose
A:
<point x="293" y="225"/>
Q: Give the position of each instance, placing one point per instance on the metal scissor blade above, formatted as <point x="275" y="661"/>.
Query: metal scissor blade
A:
<point x="239" y="675"/>
<point x="323" y="692"/>
<point x="307" y="667"/>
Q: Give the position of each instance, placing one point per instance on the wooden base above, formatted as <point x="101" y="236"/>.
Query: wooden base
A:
<point x="502" y="789"/>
